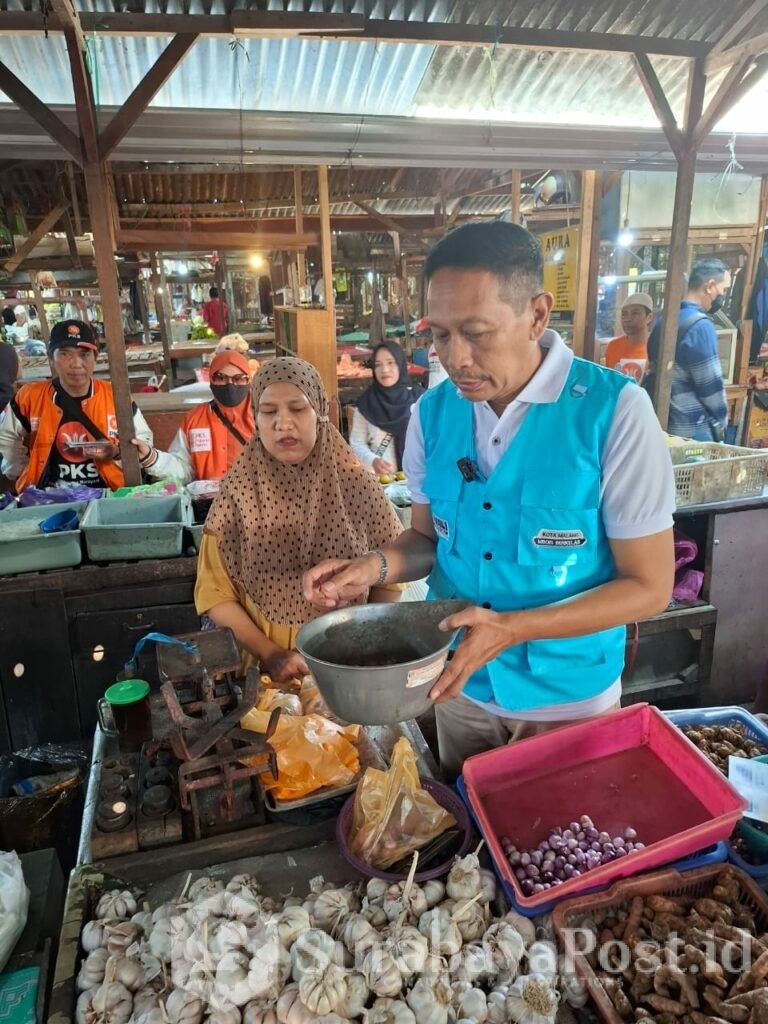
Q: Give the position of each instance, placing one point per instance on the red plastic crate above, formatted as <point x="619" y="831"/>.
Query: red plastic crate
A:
<point x="632" y="767"/>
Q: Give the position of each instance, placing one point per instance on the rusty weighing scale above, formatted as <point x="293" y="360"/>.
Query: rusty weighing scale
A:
<point x="189" y="780"/>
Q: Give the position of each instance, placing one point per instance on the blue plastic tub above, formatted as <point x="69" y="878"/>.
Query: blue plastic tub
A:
<point x="717" y="854"/>
<point x="732" y="715"/>
<point x="759" y="872"/>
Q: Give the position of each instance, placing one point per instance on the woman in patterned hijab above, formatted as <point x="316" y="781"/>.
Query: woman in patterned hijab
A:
<point x="296" y="495"/>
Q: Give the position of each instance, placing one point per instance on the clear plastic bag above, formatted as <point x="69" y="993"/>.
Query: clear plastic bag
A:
<point x="14" y="904"/>
<point x="393" y="814"/>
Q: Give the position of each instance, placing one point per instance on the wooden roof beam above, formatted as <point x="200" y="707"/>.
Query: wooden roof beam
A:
<point x="351" y="27"/>
<point x="127" y="116"/>
<point x="23" y="97"/>
<point x="165" y="240"/>
<point x="658" y="100"/>
<point x="754" y="47"/>
<point x="66" y="14"/>
<point x="29" y="243"/>
<point x="739" y="26"/>
<point x="736" y="84"/>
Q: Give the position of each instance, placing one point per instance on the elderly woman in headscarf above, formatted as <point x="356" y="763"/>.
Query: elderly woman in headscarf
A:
<point x="212" y="434"/>
<point x="380" y="420"/>
<point x="296" y="495"/>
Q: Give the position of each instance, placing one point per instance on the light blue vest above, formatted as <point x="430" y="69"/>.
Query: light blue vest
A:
<point x="531" y="535"/>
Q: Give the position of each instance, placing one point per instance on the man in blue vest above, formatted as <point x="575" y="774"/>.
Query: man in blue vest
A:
<point x="542" y="492"/>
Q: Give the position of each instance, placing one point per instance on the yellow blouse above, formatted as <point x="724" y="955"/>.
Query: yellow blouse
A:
<point x="215" y="586"/>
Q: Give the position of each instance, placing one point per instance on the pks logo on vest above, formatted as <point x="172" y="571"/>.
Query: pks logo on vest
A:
<point x="559" y="539"/>
<point x="200" y="440"/>
<point x="441" y="527"/>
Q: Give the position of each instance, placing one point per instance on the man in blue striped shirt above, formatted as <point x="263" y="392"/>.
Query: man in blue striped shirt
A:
<point x="697" y="407"/>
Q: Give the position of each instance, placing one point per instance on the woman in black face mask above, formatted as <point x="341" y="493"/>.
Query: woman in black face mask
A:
<point x="213" y="433"/>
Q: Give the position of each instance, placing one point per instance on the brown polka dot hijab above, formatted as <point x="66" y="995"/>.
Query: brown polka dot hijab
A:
<point x="274" y="521"/>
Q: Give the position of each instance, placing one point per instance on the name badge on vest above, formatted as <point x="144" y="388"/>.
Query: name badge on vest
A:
<point x="442" y="528"/>
<point x="200" y="439"/>
<point x="559" y="539"/>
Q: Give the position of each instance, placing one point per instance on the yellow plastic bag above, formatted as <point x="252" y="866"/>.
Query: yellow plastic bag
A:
<point x="393" y="815"/>
<point x="311" y="753"/>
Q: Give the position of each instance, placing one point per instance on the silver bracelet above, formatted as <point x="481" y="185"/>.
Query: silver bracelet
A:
<point x="384" y="570"/>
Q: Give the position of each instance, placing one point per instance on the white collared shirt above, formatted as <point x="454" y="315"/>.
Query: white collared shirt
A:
<point x="637" y="487"/>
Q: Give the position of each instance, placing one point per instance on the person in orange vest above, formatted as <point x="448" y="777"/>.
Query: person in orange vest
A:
<point x="49" y="432"/>
<point x="213" y="433"/>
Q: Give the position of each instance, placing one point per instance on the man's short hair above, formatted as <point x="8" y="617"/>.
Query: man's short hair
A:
<point x="708" y="269"/>
<point x="213" y="293"/>
<point x="506" y="250"/>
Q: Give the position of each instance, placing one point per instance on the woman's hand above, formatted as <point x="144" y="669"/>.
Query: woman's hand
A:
<point x="144" y="449"/>
<point x="382" y="466"/>
<point x="284" y="665"/>
<point x="337" y="582"/>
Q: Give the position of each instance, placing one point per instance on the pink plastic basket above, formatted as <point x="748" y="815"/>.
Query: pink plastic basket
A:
<point x="632" y="767"/>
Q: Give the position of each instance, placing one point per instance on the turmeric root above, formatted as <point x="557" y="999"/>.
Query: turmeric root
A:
<point x="713" y="910"/>
<point x="734" y="1013"/>
<point x="703" y="1018"/>
<point x="633" y="921"/>
<point x="710" y="970"/>
<point x="748" y="980"/>
<point x="666" y="905"/>
<point x="664" y="1005"/>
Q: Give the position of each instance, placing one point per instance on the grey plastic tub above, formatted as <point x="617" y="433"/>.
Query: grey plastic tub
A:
<point x="196" y="529"/>
<point x="134" y="528"/>
<point x="44" y="550"/>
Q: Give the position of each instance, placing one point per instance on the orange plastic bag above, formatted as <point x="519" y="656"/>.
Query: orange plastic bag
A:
<point x="311" y="753"/>
<point x="393" y="815"/>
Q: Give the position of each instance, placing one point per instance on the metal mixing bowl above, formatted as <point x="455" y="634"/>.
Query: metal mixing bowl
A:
<point x="375" y="664"/>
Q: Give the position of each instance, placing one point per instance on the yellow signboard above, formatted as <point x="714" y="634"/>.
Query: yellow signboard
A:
<point x="561" y="261"/>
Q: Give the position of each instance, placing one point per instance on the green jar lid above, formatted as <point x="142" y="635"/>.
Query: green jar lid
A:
<point x="127" y="691"/>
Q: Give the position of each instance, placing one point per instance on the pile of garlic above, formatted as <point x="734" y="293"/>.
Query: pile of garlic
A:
<point x="379" y="954"/>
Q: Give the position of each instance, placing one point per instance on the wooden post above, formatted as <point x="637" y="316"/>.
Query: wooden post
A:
<point x="515" y="196"/>
<point x="401" y="267"/>
<point x="326" y="262"/>
<point x="585" y="314"/>
<point x="161" y="309"/>
<point x="40" y="306"/>
<point x="744" y="340"/>
<point x="100" y="213"/>
<point x="301" y="261"/>
<point x="141" y="295"/>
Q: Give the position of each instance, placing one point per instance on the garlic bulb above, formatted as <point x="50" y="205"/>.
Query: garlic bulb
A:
<point x="404" y="898"/>
<point x="531" y="1000"/>
<point x="120" y="936"/>
<point x="381" y="974"/>
<point x="573" y="987"/>
<point x="91" y="972"/>
<point x="505" y="945"/>
<point x="127" y="972"/>
<point x="224" y="1014"/>
<point x="245" y="907"/>
<point x="389" y="1011"/>
<point x="358" y="935"/>
<point x="292" y="923"/>
<point x="374" y="915"/>
<point x="180" y="971"/>
<point x="168" y="938"/>
<point x="239" y="882"/>
<point x="408" y="948"/>
<point x="94" y="935"/>
<point x="441" y="931"/>
<point x="542" y="959"/>
<point x="488" y="885"/>
<point x="227" y="935"/>
<point x="323" y="991"/>
<point x="215" y="904"/>
<point x="204" y="887"/>
<point x="471" y="919"/>
<point x="232" y="977"/>
<point x="356" y="996"/>
<point x="332" y="907"/>
<point x="473" y="1004"/>
<point x="524" y="925"/>
<point x="84" y="1011"/>
<point x="144" y="1000"/>
<point x="430" y="999"/>
<point x="112" y="1002"/>
<point x="375" y="891"/>
<point x="259" y="1012"/>
<point x="434" y="892"/>
<point x="202" y="981"/>
<point x="496" y="1008"/>
<point x="116" y="904"/>
<point x="270" y="968"/>
<point x="154" y="1015"/>
<point x="463" y="881"/>
<point x="472" y="964"/>
<point x="143" y="920"/>
<point x="183" y="1007"/>
<point x="290" y="1009"/>
<point x="313" y="951"/>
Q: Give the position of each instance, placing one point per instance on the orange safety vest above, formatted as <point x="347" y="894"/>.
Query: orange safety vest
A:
<point x="212" y="446"/>
<point x="36" y="405"/>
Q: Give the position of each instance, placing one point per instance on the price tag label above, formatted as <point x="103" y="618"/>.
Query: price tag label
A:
<point x="750" y="778"/>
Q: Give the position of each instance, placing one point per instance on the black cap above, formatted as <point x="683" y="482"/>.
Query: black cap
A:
<point x="73" y="334"/>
